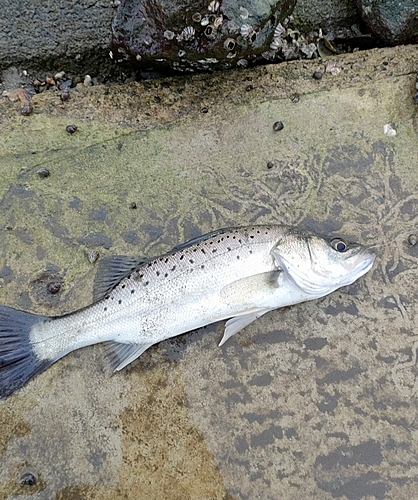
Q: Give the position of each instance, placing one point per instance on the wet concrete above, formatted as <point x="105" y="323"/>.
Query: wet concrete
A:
<point x="314" y="401"/>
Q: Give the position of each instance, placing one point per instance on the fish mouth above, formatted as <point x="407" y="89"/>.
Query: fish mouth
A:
<point x="363" y="262"/>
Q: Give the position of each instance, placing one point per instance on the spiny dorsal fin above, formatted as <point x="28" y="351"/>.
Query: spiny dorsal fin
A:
<point x="201" y="238"/>
<point x="111" y="271"/>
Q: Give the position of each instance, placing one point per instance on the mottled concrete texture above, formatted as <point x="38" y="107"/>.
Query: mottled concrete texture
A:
<point x="314" y="401"/>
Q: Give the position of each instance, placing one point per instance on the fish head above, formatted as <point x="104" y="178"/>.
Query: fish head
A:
<point x="318" y="265"/>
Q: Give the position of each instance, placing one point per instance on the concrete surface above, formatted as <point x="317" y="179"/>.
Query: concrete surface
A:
<point x="314" y="401"/>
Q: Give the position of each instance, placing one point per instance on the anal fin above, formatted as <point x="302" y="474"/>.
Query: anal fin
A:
<point x="237" y="323"/>
<point x="120" y="355"/>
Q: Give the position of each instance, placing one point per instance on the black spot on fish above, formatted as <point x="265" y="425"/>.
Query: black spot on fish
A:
<point x="214" y="250"/>
<point x="251" y="236"/>
<point x="105" y="309"/>
<point x="173" y="268"/>
<point x="165" y="275"/>
<point x="123" y="286"/>
<point x="181" y="257"/>
<point x="191" y="261"/>
<point x="251" y="252"/>
<point x="158" y="273"/>
<point x="238" y="257"/>
<point x="166" y="260"/>
<point x="202" y="266"/>
<point x="119" y="301"/>
<point x="229" y="249"/>
<point x="146" y="283"/>
<point x="132" y="291"/>
<point x="150" y="264"/>
<point x="203" y="250"/>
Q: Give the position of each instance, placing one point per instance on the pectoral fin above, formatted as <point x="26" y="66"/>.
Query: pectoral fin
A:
<point x="120" y="355"/>
<point x="236" y="324"/>
<point x="252" y="291"/>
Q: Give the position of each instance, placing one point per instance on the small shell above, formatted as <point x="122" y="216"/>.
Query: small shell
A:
<point x="59" y="76"/>
<point x="278" y="126"/>
<point x="218" y="21"/>
<point x="87" y="81"/>
<point x="71" y="129"/>
<point x="210" y="32"/>
<point x="389" y="130"/>
<point x="27" y="476"/>
<point x="242" y="63"/>
<point x="412" y="240"/>
<point x="138" y="57"/>
<point x="204" y="21"/>
<point x="231" y="55"/>
<point x="229" y="44"/>
<point x="188" y="33"/>
<point x="246" y="30"/>
<point x="43" y="172"/>
<point x="213" y="6"/>
<point x="197" y="17"/>
<point x="278" y="32"/>
<point x="276" y="43"/>
<point x="244" y="13"/>
<point x="181" y="53"/>
<point x="168" y="34"/>
<point x="65" y="95"/>
<point x="27" y="109"/>
<point x="93" y="256"/>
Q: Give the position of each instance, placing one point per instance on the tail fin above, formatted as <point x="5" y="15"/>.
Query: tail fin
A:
<point x="18" y="362"/>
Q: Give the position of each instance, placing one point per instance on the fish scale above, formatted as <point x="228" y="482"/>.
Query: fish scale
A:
<point x="237" y="274"/>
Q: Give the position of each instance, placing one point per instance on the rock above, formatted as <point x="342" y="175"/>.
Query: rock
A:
<point x="393" y="22"/>
<point x="329" y="15"/>
<point x="53" y="35"/>
<point x="185" y="35"/>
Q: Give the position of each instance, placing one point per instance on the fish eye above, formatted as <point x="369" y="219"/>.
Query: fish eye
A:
<point x="339" y="245"/>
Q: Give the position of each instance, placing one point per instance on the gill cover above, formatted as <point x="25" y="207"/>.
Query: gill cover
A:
<point x="319" y="265"/>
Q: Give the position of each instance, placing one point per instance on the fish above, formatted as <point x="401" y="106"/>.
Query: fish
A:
<point x="235" y="274"/>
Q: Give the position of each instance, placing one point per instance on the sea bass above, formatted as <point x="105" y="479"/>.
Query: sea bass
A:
<point x="235" y="274"/>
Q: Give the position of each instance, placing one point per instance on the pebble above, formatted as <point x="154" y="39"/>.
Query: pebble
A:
<point x="278" y="126"/>
<point x="318" y="75"/>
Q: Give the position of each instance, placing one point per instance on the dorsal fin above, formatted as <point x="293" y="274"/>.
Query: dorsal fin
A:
<point x="198" y="239"/>
<point x="112" y="270"/>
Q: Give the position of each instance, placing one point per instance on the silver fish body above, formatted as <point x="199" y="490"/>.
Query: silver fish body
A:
<point x="237" y="274"/>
